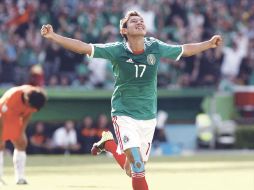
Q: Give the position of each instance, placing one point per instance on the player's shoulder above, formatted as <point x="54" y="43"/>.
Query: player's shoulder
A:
<point x="13" y="90"/>
<point x="150" y="41"/>
<point x="13" y="95"/>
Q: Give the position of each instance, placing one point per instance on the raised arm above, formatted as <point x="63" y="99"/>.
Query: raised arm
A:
<point x="195" y="48"/>
<point x="68" y="43"/>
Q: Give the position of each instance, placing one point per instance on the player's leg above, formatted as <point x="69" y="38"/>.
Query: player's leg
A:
<point x="19" y="158"/>
<point x="123" y="125"/>
<point x="127" y="167"/>
<point x="127" y="136"/>
<point x="137" y="168"/>
<point x="146" y="134"/>
<point x="1" y="158"/>
<point x="139" y="156"/>
<point x="108" y="144"/>
<point x="1" y="161"/>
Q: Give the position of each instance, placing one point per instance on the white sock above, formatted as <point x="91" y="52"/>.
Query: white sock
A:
<point x="19" y="162"/>
<point x="1" y="163"/>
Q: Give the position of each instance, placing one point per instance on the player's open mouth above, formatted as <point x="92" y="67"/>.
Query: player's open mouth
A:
<point x="140" y="28"/>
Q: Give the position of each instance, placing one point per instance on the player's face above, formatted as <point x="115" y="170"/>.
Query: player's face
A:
<point x="136" y="26"/>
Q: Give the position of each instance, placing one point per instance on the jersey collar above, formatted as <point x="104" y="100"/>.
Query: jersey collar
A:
<point x="128" y="46"/>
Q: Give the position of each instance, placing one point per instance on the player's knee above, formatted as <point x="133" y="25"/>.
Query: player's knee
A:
<point x="137" y="166"/>
<point x="20" y="144"/>
<point x="20" y="147"/>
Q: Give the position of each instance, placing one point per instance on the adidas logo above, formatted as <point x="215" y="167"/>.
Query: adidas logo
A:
<point x="130" y="61"/>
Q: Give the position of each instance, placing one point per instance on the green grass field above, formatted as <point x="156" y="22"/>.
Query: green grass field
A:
<point x="205" y="172"/>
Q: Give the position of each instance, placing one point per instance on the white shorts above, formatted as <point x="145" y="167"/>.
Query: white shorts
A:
<point x="134" y="133"/>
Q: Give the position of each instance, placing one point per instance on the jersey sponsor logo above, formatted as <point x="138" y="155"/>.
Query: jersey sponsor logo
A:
<point x="130" y="61"/>
<point x="125" y="139"/>
<point x="151" y="59"/>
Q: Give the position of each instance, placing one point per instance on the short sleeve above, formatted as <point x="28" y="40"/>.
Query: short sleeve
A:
<point x="105" y="51"/>
<point x="170" y="51"/>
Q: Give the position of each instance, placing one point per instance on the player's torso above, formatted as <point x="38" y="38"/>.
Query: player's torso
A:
<point x="136" y="83"/>
<point x="138" y="69"/>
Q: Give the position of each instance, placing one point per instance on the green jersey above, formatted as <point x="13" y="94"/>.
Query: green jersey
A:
<point x="135" y="93"/>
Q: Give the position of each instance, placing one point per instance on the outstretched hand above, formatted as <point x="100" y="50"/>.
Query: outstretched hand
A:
<point x="47" y="31"/>
<point x="216" y="41"/>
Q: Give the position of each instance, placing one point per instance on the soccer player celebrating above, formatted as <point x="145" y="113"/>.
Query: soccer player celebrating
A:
<point x="16" y="107"/>
<point x="134" y="101"/>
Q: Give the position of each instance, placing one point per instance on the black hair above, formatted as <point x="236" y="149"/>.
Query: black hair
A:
<point x="37" y="99"/>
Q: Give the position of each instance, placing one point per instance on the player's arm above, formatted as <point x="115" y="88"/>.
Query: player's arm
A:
<point x="195" y="48"/>
<point x="68" y="43"/>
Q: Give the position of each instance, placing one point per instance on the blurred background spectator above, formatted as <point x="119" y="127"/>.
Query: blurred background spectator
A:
<point x="65" y="139"/>
<point x="102" y="124"/>
<point x="39" y="140"/>
<point x="36" y="76"/>
<point x="87" y="134"/>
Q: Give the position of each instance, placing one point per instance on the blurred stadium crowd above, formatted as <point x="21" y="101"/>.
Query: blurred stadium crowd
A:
<point x="26" y="58"/>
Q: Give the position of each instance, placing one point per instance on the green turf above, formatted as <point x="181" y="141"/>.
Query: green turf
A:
<point x="203" y="172"/>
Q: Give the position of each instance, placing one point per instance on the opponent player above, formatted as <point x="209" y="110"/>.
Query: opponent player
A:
<point x="134" y="102"/>
<point x="16" y="107"/>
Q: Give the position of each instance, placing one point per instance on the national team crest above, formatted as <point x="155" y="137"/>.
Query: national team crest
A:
<point x="151" y="59"/>
<point x="125" y="139"/>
